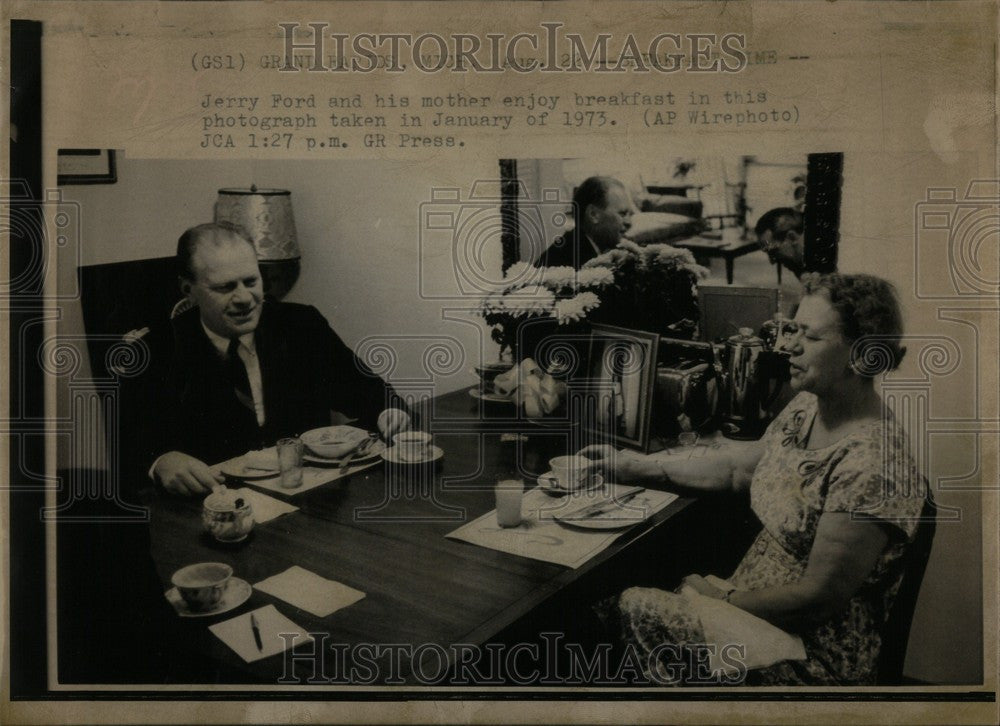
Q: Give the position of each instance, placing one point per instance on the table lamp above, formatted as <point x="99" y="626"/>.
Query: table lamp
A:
<point x="265" y="215"/>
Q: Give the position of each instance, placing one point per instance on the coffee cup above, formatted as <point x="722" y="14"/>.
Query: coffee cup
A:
<point x="202" y="585"/>
<point x="570" y="471"/>
<point x="413" y="446"/>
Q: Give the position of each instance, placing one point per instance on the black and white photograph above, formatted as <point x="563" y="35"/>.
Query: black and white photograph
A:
<point x="349" y="385"/>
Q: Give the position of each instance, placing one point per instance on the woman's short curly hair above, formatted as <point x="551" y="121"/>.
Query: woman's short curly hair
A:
<point x="870" y="316"/>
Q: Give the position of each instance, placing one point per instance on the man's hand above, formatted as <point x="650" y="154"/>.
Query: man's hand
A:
<point x="185" y="475"/>
<point x="391" y="422"/>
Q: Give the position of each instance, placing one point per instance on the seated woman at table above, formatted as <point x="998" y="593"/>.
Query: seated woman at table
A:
<point x="830" y="481"/>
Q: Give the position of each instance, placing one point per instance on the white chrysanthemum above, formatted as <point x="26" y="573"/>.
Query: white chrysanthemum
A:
<point x="630" y="246"/>
<point x="518" y="271"/>
<point x="533" y="300"/>
<point x="575" y="308"/>
<point x="492" y="303"/>
<point x="595" y="277"/>
<point x="556" y="277"/>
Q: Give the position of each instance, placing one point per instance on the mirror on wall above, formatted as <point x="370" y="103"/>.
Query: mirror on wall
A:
<point x="752" y="220"/>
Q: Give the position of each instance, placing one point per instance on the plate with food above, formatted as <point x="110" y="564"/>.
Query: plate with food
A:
<point x="364" y="453"/>
<point x="334" y="442"/>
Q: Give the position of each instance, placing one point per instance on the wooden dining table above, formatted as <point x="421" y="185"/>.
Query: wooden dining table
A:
<point x="382" y="531"/>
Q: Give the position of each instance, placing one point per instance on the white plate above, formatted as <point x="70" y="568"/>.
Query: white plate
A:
<point x="238" y="469"/>
<point x="392" y="456"/>
<point x="237" y="592"/>
<point x="548" y="483"/>
<point x="376" y="450"/>
<point x="616" y="516"/>
<point x="490" y="397"/>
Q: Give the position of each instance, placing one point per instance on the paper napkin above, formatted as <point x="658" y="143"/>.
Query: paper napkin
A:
<point x="310" y="592"/>
<point x="277" y="634"/>
<point x="266" y="508"/>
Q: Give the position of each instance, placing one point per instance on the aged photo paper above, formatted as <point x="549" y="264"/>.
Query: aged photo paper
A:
<point x="310" y="308"/>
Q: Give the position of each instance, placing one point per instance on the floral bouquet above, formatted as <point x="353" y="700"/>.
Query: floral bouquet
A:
<point x="535" y="300"/>
<point x="654" y="289"/>
<point x="651" y="288"/>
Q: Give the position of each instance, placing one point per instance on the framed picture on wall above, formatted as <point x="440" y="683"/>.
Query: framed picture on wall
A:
<point x="86" y="166"/>
<point x="621" y="371"/>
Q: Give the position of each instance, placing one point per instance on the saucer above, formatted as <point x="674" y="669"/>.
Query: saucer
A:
<point x="392" y="456"/>
<point x="490" y="397"/>
<point x="237" y="592"/>
<point x="548" y="483"/>
<point x="376" y="450"/>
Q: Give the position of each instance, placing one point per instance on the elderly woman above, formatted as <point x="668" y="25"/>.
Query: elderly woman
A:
<point x="831" y="483"/>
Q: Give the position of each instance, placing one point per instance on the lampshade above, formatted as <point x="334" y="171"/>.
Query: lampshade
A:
<point x="266" y="216"/>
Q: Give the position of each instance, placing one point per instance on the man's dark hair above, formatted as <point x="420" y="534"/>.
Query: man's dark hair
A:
<point x="593" y="190"/>
<point x="769" y="219"/>
<point x="188" y="242"/>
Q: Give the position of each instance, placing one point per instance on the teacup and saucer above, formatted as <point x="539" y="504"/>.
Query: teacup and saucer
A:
<point x="569" y="474"/>
<point x="412" y="447"/>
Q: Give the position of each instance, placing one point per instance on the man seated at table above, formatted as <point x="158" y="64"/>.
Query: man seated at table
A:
<point x="779" y="232"/>
<point x="237" y="371"/>
<point x="602" y="213"/>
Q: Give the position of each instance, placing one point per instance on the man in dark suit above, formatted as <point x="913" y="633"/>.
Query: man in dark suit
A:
<point x="238" y="371"/>
<point x="602" y="213"/>
<point x="780" y="233"/>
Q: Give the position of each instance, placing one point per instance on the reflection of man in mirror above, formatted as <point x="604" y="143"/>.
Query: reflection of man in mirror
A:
<point x="779" y="232"/>
<point x="602" y="213"/>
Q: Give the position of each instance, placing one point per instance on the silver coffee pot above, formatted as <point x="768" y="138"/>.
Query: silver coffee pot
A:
<point x="749" y="385"/>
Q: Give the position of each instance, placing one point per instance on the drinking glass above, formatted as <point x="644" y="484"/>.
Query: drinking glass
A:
<point x="290" y="462"/>
<point x="509" y="493"/>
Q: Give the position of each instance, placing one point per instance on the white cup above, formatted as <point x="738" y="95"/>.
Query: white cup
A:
<point x="413" y="445"/>
<point x="509" y="493"/>
<point x="569" y="471"/>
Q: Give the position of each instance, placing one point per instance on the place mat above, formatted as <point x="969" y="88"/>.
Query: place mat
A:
<point x="541" y="537"/>
<point x="308" y="591"/>
<point x="266" y="508"/>
<point x="237" y="633"/>
<point x="312" y="477"/>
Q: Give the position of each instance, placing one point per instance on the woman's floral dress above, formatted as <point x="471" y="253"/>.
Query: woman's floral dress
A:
<point x="791" y="487"/>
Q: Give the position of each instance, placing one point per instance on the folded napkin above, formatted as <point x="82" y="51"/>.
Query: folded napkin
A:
<point x="237" y="633"/>
<point x="533" y="388"/>
<point x="266" y="508"/>
<point x="764" y="644"/>
<point x="308" y="591"/>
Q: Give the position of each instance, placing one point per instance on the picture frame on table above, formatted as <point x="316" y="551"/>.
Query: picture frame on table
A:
<point x="86" y="166"/>
<point x="620" y="376"/>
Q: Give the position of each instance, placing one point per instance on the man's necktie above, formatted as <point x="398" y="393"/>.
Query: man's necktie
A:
<point x="238" y="373"/>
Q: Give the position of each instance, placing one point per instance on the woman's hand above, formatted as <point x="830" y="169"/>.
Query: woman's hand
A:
<point x="702" y="586"/>
<point x="624" y="465"/>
